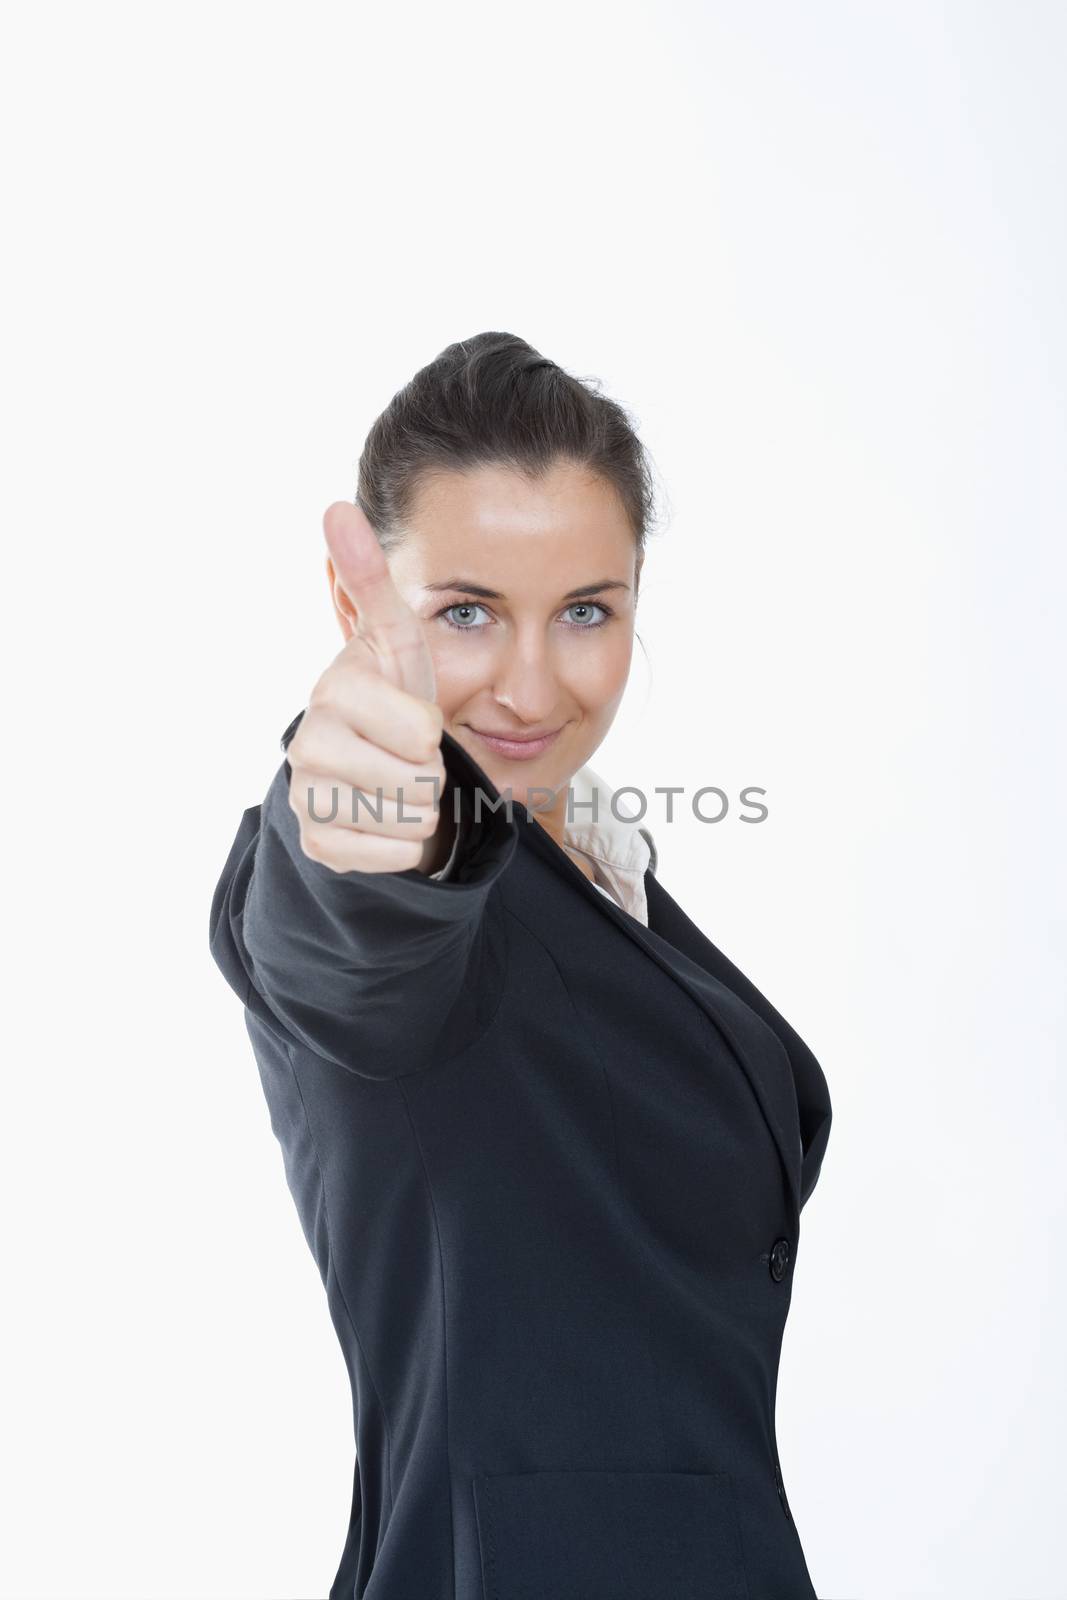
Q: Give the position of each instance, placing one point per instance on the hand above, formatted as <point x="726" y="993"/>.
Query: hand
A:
<point x="372" y="724"/>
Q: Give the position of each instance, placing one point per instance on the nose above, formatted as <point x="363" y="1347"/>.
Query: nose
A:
<point x="524" y="677"/>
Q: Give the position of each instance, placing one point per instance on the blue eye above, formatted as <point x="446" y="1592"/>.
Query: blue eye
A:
<point x="589" y="605"/>
<point x="462" y="605"/>
<point x="472" y="606"/>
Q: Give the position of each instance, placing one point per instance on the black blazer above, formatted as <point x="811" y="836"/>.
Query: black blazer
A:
<point x="550" y="1164"/>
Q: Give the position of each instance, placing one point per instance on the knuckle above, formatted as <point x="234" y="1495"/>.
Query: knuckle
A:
<point x="311" y="844"/>
<point x="298" y="787"/>
<point x="411" y="855"/>
<point x="308" y="752"/>
<point x="321" y="695"/>
<point x="430" y="733"/>
<point x="426" y="825"/>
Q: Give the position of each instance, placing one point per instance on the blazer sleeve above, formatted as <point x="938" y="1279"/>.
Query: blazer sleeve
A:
<point x="377" y="971"/>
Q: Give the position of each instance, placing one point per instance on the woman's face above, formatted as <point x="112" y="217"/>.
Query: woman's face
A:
<point x="526" y="593"/>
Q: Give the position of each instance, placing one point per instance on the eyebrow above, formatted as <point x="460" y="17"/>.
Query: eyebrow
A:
<point x="493" y="594"/>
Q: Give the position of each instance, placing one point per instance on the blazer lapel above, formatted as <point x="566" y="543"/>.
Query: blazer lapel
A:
<point x="764" y="1055"/>
<point x="711" y="981"/>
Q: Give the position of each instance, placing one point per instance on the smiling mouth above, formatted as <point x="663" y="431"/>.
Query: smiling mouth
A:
<point x="510" y="745"/>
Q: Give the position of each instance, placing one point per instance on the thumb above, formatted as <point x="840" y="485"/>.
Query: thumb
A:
<point x="384" y="620"/>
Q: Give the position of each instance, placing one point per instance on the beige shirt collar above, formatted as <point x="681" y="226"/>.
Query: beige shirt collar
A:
<point x="618" y="847"/>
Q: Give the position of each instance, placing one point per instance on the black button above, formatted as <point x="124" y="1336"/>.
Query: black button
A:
<point x="779" y="1259"/>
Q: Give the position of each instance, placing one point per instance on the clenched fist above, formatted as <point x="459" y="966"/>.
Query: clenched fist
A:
<point x="372" y="724"/>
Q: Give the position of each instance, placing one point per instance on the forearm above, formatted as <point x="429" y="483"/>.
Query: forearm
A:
<point x="354" y="964"/>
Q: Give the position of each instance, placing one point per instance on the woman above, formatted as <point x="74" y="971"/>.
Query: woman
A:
<point x="548" y="1145"/>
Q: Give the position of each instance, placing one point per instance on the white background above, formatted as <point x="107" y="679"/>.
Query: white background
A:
<point x="818" y="251"/>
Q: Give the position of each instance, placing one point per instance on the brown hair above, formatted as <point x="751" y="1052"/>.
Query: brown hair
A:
<point x="493" y="400"/>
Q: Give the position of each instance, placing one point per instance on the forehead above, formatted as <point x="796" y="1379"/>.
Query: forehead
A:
<point x="493" y="518"/>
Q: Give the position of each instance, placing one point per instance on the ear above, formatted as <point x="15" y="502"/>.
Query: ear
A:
<point x="342" y="605"/>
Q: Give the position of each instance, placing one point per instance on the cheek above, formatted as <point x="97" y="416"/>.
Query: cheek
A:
<point x="460" y="669"/>
<point x="597" y="673"/>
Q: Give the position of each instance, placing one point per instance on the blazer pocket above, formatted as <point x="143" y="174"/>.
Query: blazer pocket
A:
<point x="609" y="1536"/>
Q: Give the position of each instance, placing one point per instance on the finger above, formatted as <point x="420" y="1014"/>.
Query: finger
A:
<point x="327" y="745"/>
<point x="361" y="852"/>
<point x="323" y="803"/>
<point x="355" y="691"/>
<point x="385" y="619"/>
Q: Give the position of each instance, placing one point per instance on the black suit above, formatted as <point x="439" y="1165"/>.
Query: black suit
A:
<point x="550" y="1164"/>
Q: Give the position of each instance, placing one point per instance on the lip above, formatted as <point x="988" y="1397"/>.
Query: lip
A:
<point x="516" y="749"/>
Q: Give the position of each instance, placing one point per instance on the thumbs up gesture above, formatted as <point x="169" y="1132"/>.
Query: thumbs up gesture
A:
<point x="372" y="724"/>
